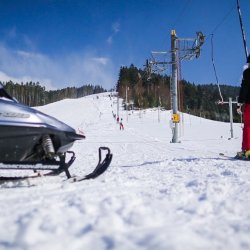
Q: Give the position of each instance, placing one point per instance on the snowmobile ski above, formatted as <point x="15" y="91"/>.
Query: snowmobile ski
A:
<point x="101" y="167"/>
<point x="52" y="167"/>
<point x="55" y="167"/>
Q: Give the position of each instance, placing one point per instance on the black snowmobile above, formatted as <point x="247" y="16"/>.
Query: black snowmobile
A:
<point x="32" y="140"/>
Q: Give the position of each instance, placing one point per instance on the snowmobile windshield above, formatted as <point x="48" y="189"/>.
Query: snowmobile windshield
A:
<point x="4" y="94"/>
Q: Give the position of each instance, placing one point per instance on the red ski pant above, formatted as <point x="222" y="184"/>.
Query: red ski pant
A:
<point x="246" y="128"/>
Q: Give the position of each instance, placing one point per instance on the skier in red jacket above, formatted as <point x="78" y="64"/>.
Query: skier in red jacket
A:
<point x="244" y="98"/>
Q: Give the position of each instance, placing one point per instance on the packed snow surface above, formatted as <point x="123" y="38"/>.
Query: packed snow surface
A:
<point x="155" y="195"/>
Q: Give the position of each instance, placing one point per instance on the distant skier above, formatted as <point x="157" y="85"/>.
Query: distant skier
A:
<point x="117" y="119"/>
<point x="121" y="125"/>
<point x="244" y="98"/>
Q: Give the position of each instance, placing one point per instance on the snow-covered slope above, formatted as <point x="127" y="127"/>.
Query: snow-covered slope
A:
<point x="155" y="195"/>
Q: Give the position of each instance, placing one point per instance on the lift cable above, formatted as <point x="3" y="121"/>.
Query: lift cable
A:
<point x="212" y="57"/>
<point x="242" y="29"/>
<point x="212" y="49"/>
<point x="181" y="13"/>
<point x="223" y="19"/>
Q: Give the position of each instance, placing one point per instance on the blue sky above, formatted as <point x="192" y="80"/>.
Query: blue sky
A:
<point x="74" y="42"/>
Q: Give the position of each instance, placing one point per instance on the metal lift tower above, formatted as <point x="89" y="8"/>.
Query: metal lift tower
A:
<point x="181" y="49"/>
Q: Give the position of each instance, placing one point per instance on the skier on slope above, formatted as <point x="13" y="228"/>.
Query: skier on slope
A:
<point x="244" y="98"/>
<point x="121" y="125"/>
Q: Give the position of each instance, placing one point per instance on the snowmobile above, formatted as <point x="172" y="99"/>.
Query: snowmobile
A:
<point x="32" y="140"/>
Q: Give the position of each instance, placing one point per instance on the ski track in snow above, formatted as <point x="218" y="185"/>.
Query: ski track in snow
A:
<point x="155" y="195"/>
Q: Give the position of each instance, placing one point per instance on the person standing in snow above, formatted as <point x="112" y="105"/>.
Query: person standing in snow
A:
<point x="244" y="98"/>
<point x="121" y="125"/>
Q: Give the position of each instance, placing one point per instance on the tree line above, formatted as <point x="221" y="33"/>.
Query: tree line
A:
<point x="142" y="91"/>
<point x="196" y="99"/>
<point x="33" y="94"/>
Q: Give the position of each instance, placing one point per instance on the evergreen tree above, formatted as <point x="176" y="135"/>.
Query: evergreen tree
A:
<point x="196" y="99"/>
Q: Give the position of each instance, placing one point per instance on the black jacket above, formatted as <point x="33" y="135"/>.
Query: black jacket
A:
<point x="244" y="96"/>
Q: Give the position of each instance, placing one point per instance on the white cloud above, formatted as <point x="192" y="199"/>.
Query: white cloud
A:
<point x="46" y="82"/>
<point x="101" y="60"/>
<point x="115" y="29"/>
<point x="73" y="69"/>
<point x="110" y="40"/>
